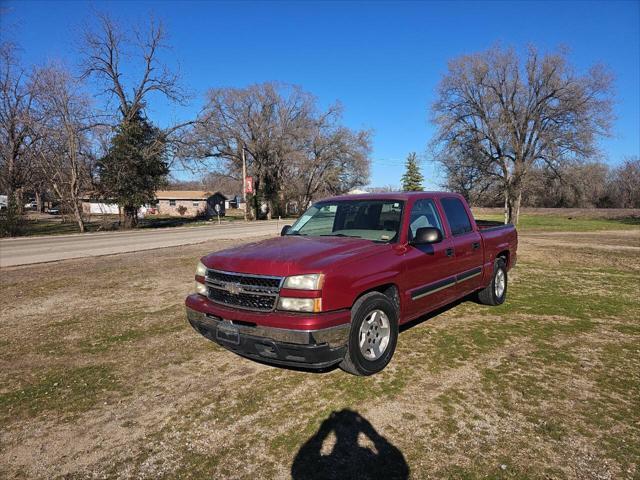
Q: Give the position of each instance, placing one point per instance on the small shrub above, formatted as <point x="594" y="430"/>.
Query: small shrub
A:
<point x="11" y="220"/>
<point x="182" y="210"/>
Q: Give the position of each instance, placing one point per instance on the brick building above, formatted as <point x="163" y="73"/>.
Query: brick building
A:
<point x="175" y="203"/>
<point x="190" y="203"/>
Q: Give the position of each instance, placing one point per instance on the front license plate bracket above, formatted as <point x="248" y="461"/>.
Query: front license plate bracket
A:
<point x="228" y="332"/>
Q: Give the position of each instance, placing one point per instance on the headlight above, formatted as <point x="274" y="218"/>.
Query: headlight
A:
<point x="201" y="269"/>
<point x="201" y="272"/>
<point x="300" y="304"/>
<point x="201" y="289"/>
<point x="304" y="282"/>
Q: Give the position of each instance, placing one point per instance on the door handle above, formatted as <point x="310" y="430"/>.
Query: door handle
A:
<point x="475" y="245"/>
<point x="449" y="252"/>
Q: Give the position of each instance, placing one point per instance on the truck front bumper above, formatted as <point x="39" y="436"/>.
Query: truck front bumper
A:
<point x="316" y="349"/>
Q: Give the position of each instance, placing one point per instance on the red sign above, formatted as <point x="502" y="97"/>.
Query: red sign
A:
<point x="248" y="184"/>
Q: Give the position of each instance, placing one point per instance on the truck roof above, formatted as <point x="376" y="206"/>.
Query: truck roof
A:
<point x="391" y="196"/>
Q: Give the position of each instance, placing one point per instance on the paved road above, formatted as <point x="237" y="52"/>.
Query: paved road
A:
<point x="24" y="251"/>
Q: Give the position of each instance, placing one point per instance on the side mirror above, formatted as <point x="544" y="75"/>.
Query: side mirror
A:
<point x="284" y="230"/>
<point x="427" y="235"/>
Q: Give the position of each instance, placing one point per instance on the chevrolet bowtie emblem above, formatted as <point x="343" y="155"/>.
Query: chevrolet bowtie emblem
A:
<point x="233" y="288"/>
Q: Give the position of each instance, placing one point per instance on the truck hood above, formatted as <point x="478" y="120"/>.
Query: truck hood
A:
<point x="290" y="255"/>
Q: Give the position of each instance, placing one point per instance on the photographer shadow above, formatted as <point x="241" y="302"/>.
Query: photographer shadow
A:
<point x="358" y="452"/>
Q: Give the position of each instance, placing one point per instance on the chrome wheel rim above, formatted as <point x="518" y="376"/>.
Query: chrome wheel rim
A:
<point x="500" y="283"/>
<point x="374" y="335"/>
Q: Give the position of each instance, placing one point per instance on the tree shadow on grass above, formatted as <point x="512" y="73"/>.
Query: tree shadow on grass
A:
<point x="629" y="220"/>
<point x="346" y="446"/>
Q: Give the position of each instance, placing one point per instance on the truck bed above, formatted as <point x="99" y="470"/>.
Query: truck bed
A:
<point x="498" y="237"/>
<point x="488" y="225"/>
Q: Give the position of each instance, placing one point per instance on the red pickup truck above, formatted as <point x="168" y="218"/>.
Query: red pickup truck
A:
<point x="337" y="284"/>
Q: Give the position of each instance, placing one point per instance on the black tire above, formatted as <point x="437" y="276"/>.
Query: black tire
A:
<point x="354" y="361"/>
<point x="487" y="295"/>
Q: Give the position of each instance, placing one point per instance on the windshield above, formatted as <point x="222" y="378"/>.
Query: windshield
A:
<point x="377" y="220"/>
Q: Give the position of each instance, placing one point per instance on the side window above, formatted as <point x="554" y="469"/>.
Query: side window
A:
<point x="423" y="214"/>
<point x="456" y="215"/>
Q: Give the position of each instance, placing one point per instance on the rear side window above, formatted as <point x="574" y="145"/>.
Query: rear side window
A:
<point x="456" y="216"/>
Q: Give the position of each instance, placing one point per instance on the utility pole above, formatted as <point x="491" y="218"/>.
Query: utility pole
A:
<point x="244" y="182"/>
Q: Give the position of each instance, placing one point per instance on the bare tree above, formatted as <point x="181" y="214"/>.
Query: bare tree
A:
<point x="582" y="185"/>
<point x="293" y="150"/>
<point x="335" y="160"/>
<point x="510" y="117"/>
<point x="104" y="52"/>
<point x="626" y="183"/>
<point x="226" y="183"/>
<point x="266" y="120"/>
<point x="17" y="135"/>
<point x="467" y="175"/>
<point x="64" y="150"/>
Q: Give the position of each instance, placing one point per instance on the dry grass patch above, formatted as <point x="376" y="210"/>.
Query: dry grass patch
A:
<point x="101" y="376"/>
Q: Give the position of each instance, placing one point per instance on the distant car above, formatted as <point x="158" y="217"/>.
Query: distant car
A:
<point x="53" y="211"/>
<point x="32" y="205"/>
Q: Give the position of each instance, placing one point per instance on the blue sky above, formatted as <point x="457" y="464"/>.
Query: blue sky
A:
<point x="382" y="60"/>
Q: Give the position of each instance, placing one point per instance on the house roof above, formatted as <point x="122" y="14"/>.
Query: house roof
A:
<point x="184" y="194"/>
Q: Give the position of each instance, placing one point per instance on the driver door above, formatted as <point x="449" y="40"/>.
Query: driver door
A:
<point x="426" y="266"/>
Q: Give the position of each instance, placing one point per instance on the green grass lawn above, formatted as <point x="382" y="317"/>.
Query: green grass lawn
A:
<point x="55" y="226"/>
<point x="568" y="224"/>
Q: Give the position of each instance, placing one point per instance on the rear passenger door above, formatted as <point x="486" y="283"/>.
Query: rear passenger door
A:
<point x="467" y="246"/>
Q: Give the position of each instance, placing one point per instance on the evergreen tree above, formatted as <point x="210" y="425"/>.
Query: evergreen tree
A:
<point x="134" y="167"/>
<point x="412" y="178"/>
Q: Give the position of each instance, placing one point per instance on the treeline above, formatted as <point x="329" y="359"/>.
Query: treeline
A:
<point x="582" y="185"/>
<point x="69" y="133"/>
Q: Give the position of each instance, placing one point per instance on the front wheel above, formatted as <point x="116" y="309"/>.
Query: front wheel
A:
<point x="373" y="336"/>
<point x="496" y="292"/>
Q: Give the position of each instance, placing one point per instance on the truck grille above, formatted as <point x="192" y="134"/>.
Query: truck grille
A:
<point x="241" y="290"/>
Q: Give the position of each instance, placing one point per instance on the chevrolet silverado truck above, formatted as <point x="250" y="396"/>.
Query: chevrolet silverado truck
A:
<point x="335" y="287"/>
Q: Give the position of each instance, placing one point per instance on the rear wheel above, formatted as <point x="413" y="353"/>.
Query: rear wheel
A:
<point x="496" y="292"/>
<point x="373" y="336"/>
